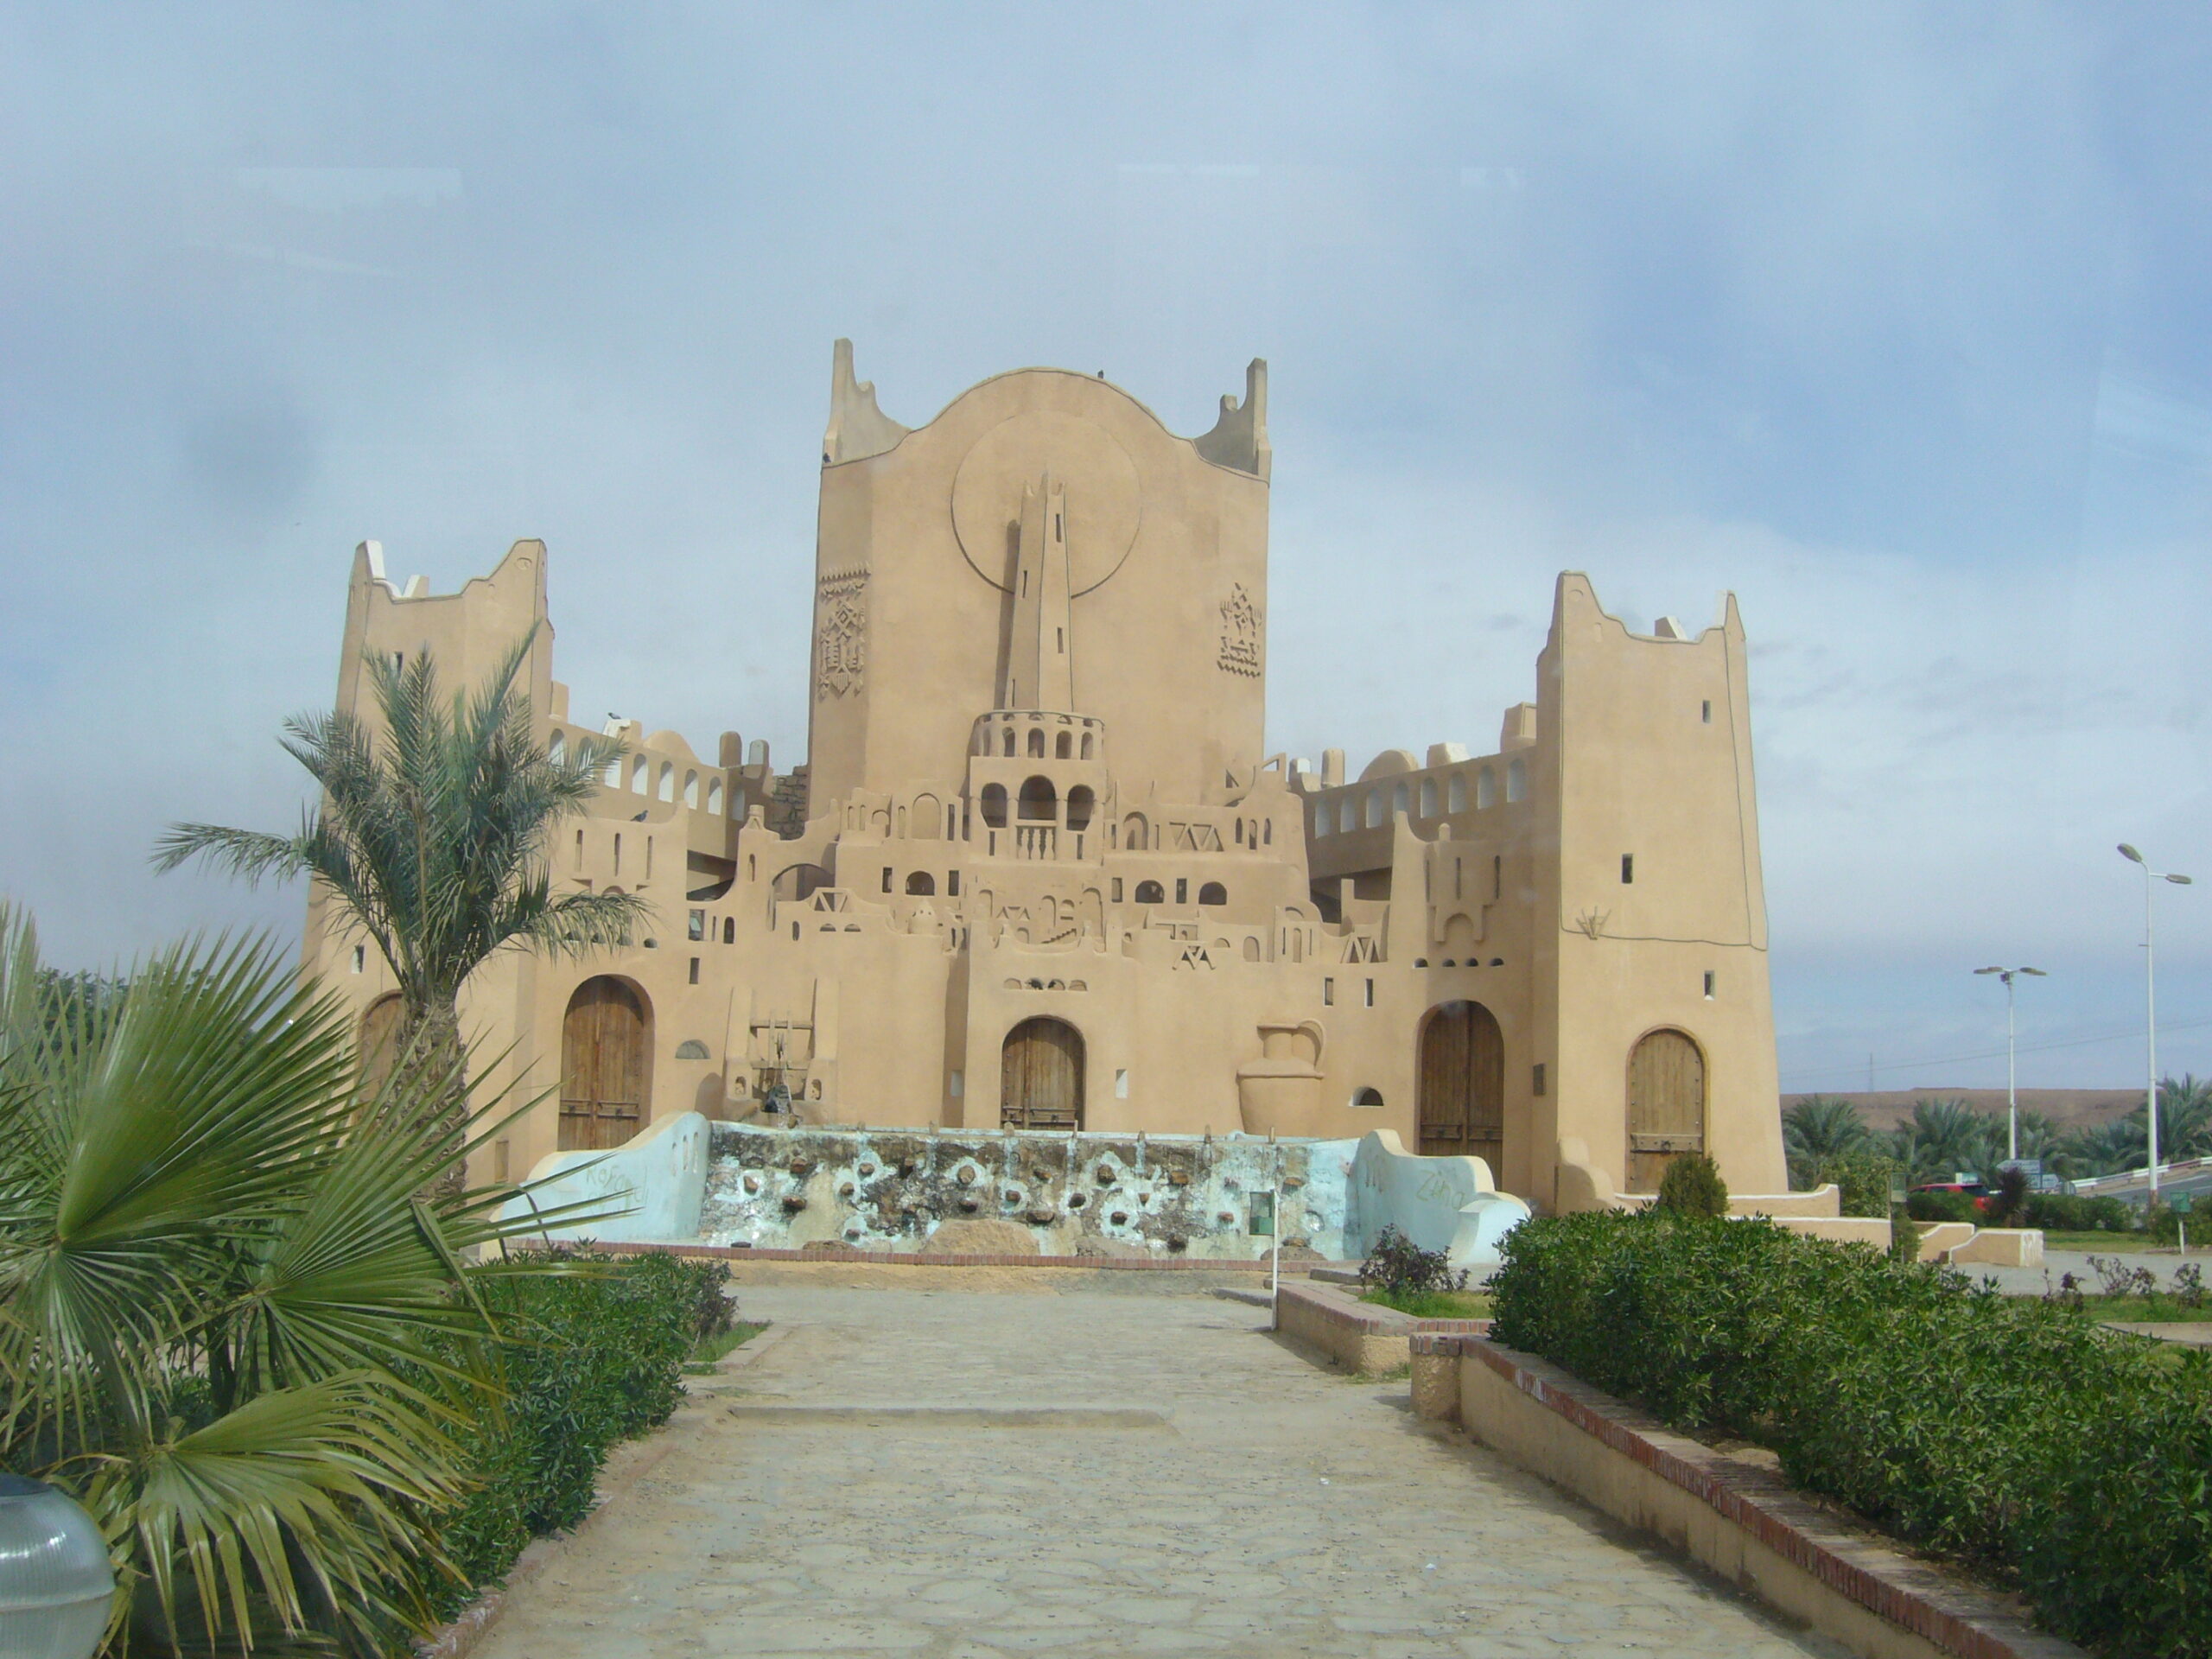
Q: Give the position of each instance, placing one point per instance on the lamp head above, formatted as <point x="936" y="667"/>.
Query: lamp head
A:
<point x="2180" y="881"/>
<point x="2130" y="854"/>
<point x="2038" y="972"/>
<point x="1989" y="971"/>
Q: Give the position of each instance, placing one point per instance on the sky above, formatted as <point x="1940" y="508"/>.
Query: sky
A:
<point x="1890" y="319"/>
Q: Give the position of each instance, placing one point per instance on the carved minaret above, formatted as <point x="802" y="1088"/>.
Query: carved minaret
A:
<point x="1038" y="672"/>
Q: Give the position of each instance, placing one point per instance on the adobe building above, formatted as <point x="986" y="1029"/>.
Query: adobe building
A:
<point x="1039" y="870"/>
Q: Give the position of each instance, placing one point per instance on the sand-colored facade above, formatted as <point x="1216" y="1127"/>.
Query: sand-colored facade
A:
<point x="1039" y="868"/>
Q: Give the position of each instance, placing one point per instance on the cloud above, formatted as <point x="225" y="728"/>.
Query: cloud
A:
<point x="1890" y="320"/>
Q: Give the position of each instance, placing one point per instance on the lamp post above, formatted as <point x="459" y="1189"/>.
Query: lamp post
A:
<point x="2011" y="1077"/>
<point x="2150" y="877"/>
<point x="56" y="1584"/>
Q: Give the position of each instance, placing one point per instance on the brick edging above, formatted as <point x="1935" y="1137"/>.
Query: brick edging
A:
<point x="1878" y="1577"/>
<point x="916" y="1259"/>
<point x="1335" y="1307"/>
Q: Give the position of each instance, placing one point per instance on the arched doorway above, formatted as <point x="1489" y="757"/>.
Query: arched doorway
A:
<point x="379" y="1043"/>
<point x="1041" y="1076"/>
<point x="1460" y="1103"/>
<point x="1666" y="1104"/>
<point x="606" y="1058"/>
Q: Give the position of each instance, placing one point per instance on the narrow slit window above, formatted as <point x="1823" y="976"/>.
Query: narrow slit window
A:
<point x="1370" y="993"/>
<point x="1536" y="1080"/>
<point x="1182" y="890"/>
<point x="886" y="878"/>
<point x="694" y="970"/>
<point x="1709" y="977"/>
<point x="1628" y="868"/>
<point x="361" y="958"/>
<point x="1328" y="993"/>
<point x="1704" y="712"/>
<point x="952" y="884"/>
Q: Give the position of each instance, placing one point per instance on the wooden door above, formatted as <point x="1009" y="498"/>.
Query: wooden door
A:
<point x="1666" y="1105"/>
<point x="379" y="1043"/>
<point x="1460" y="1101"/>
<point x="1041" y="1076"/>
<point x="603" y="1045"/>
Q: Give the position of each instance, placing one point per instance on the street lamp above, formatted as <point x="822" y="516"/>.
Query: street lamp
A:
<point x="2012" y="1081"/>
<point x="2151" y="877"/>
<point x="56" y="1585"/>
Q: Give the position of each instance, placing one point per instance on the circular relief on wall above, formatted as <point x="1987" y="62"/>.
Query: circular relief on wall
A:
<point x="1104" y="500"/>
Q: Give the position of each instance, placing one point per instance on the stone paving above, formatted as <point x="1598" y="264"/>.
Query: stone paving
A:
<point x="960" y="1475"/>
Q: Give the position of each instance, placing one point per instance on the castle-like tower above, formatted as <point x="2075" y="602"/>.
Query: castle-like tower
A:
<point x="1039" y="871"/>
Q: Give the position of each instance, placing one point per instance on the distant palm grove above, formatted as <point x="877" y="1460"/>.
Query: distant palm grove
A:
<point x="1944" y="1138"/>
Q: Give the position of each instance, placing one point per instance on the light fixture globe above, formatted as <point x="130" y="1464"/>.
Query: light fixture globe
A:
<point x="55" y="1580"/>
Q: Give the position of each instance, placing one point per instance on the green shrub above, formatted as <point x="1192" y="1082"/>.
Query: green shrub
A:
<point x="1862" y="1177"/>
<point x="1692" y="1186"/>
<point x="2062" y="1213"/>
<point x="590" y="1357"/>
<point x="1904" y="1236"/>
<point x="1398" y="1267"/>
<point x="1941" y="1206"/>
<point x="2011" y="1434"/>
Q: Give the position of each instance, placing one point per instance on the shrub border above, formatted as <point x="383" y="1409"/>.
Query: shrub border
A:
<point x="1864" y="1569"/>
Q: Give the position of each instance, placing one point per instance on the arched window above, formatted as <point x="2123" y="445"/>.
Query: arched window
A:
<point x="1039" y="801"/>
<point x="614" y="772"/>
<point x="1036" y="742"/>
<point x="1455" y="793"/>
<point x="1080" y="801"/>
<point x="691" y="789"/>
<point x="995" y="806"/>
<point x="638" y="769"/>
<point x="1367" y="1096"/>
<point x="1064" y="746"/>
<point x="1375" y="806"/>
<point x="1516" y="779"/>
<point x="667" y="780"/>
<point x="1086" y="746"/>
<point x="1322" y="817"/>
<point x="1240" y="832"/>
<point x="1268" y="832"/>
<point x="1151" y="892"/>
<point x="1252" y="947"/>
<point x="921" y="885"/>
<point x="729" y="930"/>
<point x="929" y="817"/>
<point x="1132" y="833"/>
<point x="557" y="750"/>
<point x="1401" y="800"/>
<point x="1213" y="894"/>
<point x="1428" y="797"/>
<point x="1005" y="746"/>
<point x="1485" y="790"/>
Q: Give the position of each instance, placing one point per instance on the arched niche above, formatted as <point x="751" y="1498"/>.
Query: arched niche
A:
<point x="1040" y="802"/>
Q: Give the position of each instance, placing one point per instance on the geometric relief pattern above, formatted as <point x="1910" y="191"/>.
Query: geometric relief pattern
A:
<point x="1240" y="634"/>
<point x="841" y="632"/>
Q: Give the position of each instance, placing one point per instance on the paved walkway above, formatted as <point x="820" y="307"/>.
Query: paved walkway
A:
<point x="959" y="1475"/>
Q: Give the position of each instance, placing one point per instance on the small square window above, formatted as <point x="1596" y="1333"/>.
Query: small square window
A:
<point x="1536" y="1079"/>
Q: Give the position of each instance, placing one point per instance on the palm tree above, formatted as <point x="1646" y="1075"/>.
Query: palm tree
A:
<point x="1820" y="1126"/>
<point x="1945" y="1136"/>
<point x="231" y="1323"/>
<point x="432" y="836"/>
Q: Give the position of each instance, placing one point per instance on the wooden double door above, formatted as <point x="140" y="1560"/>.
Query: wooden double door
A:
<point x="1460" y="1103"/>
<point x="1041" y="1076"/>
<point x="1666" y="1105"/>
<point x="605" y="1052"/>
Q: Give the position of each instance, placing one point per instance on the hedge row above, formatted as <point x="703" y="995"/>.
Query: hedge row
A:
<point x="590" y="1358"/>
<point x="2009" y="1433"/>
